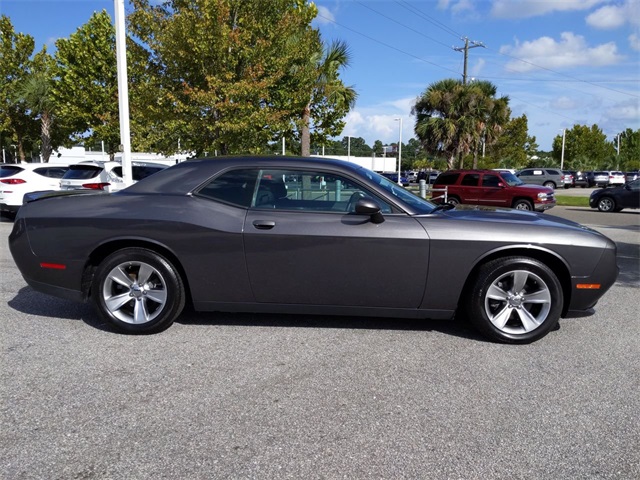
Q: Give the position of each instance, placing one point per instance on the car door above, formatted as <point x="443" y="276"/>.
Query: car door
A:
<point x="631" y="195"/>
<point x="469" y="189"/>
<point x="308" y="247"/>
<point x="493" y="191"/>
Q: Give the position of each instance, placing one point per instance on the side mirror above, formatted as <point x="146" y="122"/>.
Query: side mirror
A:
<point x="501" y="185"/>
<point x="367" y="206"/>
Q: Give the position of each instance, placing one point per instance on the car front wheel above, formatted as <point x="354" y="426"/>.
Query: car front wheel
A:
<point x="453" y="201"/>
<point x="138" y="291"/>
<point x="522" y="205"/>
<point x="606" y="204"/>
<point x="515" y="300"/>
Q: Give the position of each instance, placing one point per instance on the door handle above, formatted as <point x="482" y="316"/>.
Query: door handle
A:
<point x="264" y="224"/>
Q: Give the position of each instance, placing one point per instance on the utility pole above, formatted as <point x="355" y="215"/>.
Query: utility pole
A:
<point x="465" y="49"/>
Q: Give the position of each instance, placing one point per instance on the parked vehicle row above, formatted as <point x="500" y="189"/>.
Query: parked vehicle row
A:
<point x="18" y="180"/>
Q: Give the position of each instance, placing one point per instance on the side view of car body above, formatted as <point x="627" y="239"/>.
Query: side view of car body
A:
<point x="394" y="178"/>
<point x="614" y="199"/>
<point x="256" y="234"/>
<point x="492" y="188"/>
<point x="548" y="177"/>
<point x="18" y="179"/>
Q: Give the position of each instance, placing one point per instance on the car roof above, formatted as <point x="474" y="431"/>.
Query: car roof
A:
<point x="183" y="177"/>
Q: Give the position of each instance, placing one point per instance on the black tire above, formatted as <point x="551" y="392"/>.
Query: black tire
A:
<point x="549" y="184"/>
<point x="453" y="200"/>
<point x="523" y="204"/>
<point x="130" y="305"/>
<point x="606" y="204"/>
<point x="514" y="300"/>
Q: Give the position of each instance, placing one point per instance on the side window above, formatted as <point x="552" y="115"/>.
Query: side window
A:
<point x="312" y="191"/>
<point x="470" y="180"/>
<point x="554" y="172"/>
<point x="526" y="173"/>
<point x="490" y="181"/>
<point x="447" y="179"/>
<point x="235" y="187"/>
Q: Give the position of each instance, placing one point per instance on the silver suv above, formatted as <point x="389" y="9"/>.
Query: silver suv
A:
<point x="549" y="177"/>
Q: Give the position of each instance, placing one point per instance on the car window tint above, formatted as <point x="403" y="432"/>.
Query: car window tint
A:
<point x="470" y="179"/>
<point x="235" y="187"/>
<point x="82" y="172"/>
<point x="51" y="172"/>
<point x="526" y="172"/>
<point x="447" y="179"/>
<point x="8" y="170"/>
<point x="310" y="191"/>
<point x="490" y="181"/>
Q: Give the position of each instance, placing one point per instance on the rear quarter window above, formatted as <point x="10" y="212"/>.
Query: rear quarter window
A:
<point x="8" y="170"/>
<point x="447" y="179"/>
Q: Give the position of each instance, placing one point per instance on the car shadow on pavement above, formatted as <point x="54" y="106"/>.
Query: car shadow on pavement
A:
<point x="30" y="302"/>
<point x="455" y="327"/>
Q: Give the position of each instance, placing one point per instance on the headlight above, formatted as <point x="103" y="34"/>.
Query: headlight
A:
<point x="542" y="196"/>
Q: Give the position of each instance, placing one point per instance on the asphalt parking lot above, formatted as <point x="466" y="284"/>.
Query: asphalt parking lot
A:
<point x="272" y="396"/>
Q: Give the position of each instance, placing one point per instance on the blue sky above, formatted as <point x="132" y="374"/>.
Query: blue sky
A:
<point x="561" y="62"/>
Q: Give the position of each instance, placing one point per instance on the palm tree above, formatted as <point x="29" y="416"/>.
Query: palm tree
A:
<point x="452" y="118"/>
<point x="327" y="88"/>
<point x="36" y="94"/>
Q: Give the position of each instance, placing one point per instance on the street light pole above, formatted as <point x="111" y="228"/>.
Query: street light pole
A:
<point x="399" y="150"/>
<point x="348" y="147"/>
<point x="564" y="132"/>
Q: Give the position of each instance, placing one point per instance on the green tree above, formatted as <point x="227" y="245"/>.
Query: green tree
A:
<point x="86" y="91"/>
<point x="514" y="147"/>
<point x="629" y="152"/>
<point x="222" y="75"/>
<point x="15" y="65"/>
<point x="582" y="142"/>
<point x="330" y="100"/>
<point x="452" y="118"/>
<point x="37" y="94"/>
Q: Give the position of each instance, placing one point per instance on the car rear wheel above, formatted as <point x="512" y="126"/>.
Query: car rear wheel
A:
<point x="549" y="184"/>
<point x="138" y="291"/>
<point x="515" y="300"/>
<point x="523" y="205"/>
<point x="606" y="204"/>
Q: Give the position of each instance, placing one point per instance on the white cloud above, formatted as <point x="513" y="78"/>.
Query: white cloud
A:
<point x="462" y="6"/>
<point x="443" y="4"/>
<point x="325" y="15"/>
<point x="571" y="51"/>
<point x="634" y="42"/>
<point x="565" y="103"/>
<point x="615" y="16"/>
<point x="628" y="110"/>
<point x="477" y="67"/>
<point x="534" y="8"/>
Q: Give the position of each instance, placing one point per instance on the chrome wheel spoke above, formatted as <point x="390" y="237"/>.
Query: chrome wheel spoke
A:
<point x="116" y="302"/>
<point x="140" y="313"/>
<point x="519" y="280"/>
<point x="144" y="273"/>
<point x="497" y="293"/>
<point x="119" y="276"/>
<point x="502" y="317"/>
<point x="541" y="296"/>
<point x="158" y="296"/>
<point x="529" y="322"/>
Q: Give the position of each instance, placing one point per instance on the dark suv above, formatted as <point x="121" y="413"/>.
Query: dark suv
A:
<point x="489" y="187"/>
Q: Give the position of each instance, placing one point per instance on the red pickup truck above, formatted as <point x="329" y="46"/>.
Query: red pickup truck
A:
<point x="491" y="187"/>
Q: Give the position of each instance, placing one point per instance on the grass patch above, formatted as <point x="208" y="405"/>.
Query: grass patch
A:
<point x="567" y="201"/>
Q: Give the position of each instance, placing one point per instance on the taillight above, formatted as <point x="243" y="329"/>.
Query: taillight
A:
<point x="13" y="181"/>
<point x="96" y="186"/>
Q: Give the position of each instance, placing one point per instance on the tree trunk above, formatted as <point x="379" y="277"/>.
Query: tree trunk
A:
<point x="45" y="136"/>
<point x="305" y="135"/>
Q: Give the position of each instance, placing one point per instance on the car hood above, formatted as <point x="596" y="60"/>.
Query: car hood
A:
<point x="533" y="188"/>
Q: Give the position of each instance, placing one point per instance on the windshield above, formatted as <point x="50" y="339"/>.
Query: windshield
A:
<point x="511" y="179"/>
<point x="419" y="204"/>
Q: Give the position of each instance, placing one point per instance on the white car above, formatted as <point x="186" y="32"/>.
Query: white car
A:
<point x="105" y="176"/>
<point x="16" y="179"/>
<point x="616" y="178"/>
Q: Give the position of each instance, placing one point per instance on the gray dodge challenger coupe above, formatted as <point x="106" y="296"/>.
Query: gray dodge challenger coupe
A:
<point x="310" y="236"/>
